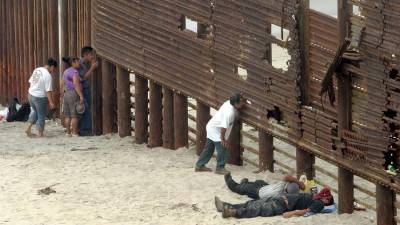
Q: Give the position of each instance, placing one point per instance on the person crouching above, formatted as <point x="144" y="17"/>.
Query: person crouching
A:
<point x="218" y="130"/>
<point x="40" y="91"/>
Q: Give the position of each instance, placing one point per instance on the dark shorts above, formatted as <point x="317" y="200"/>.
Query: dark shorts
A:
<point x="71" y="99"/>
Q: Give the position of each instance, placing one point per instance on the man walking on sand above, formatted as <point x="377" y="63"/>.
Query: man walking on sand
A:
<point x="40" y="90"/>
<point x="218" y="130"/>
<point x="86" y="69"/>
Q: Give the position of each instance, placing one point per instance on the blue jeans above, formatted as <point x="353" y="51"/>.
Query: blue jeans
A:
<point x="85" y="121"/>
<point x="208" y="152"/>
<point x="38" y="112"/>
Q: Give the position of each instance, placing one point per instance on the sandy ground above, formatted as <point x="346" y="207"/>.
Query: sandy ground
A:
<point x="108" y="180"/>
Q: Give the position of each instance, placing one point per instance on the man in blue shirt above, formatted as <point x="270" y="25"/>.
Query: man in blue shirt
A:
<point x="86" y="69"/>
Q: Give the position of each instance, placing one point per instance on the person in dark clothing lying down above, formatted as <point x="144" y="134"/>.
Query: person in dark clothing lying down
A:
<point x="288" y="205"/>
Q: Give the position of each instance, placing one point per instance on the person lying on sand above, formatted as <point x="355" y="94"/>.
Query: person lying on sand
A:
<point x="261" y="189"/>
<point x="288" y="205"/>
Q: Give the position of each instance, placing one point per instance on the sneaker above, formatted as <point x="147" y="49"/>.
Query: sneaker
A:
<point x="228" y="212"/>
<point x="202" y="169"/>
<point x="222" y="171"/>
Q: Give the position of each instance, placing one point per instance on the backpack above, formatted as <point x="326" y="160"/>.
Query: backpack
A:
<point x="23" y="113"/>
<point x="12" y="110"/>
<point x="20" y="115"/>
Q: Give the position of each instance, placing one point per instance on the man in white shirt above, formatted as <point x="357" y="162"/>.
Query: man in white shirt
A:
<point x="218" y="130"/>
<point x="40" y="90"/>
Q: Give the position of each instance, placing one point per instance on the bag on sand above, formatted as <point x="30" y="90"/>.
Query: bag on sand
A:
<point x="310" y="185"/>
<point x="12" y="110"/>
<point x="23" y="113"/>
<point x="17" y="112"/>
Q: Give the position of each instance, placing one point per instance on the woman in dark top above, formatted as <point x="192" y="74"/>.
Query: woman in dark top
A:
<point x="289" y="205"/>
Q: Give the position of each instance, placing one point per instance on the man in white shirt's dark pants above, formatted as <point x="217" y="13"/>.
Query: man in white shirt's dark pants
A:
<point x="40" y="91"/>
<point x="218" y="130"/>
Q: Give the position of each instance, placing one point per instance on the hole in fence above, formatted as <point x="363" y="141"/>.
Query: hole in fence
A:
<point x="392" y="128"/>
<point x="334" y="133"/>
<point x="280" y="57"/>
<point x="394" y="137"/>
<point x="394" y="74"/>
<point x="241" y="72"/>
<point x="357" y="10"/>
<point x="390" y="158"/>
<point x="390" y="113"/>
<point x="279" y="32"/>
<point x="328" y="7"/>
<point x="188" y="24"/>
<point x="202" y="30"/>
<point x="275" y="113"/>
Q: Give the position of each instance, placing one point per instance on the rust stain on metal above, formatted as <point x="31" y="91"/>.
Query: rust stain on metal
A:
<point x="150" y="39"/>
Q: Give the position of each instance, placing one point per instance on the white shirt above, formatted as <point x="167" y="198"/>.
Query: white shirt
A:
<point x="272" y="190"/>
<point x="224" y="118"/>
<point x="40" y="82"/>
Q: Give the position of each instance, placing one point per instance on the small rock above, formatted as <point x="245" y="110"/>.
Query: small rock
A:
<point x="46" y="191"/>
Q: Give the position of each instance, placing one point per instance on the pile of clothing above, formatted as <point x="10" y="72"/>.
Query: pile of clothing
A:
<point x="15" y="111"/>
<point x="3" y="114"/>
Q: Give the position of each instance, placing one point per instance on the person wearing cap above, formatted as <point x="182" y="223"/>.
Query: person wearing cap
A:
<point x="261" y="189"/>
<point x="218" y="130"/>
<point x="73" y="95"/>
<point x="288" y="205"/>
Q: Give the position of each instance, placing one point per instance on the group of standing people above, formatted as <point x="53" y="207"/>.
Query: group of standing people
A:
<point x="76" y="100"/>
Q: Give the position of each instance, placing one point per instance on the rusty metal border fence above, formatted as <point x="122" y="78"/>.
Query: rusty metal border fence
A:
<point x="28" y="36"/>
<point x="150" y="39"/>
<point x="199" y="78"/>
